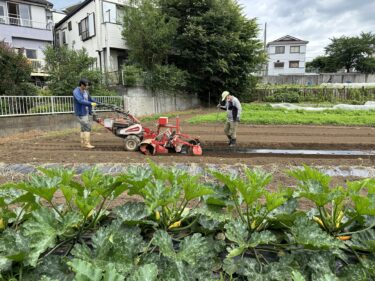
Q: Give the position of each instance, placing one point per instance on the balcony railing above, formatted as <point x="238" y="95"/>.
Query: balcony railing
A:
<point x="26" y="23"/>
<point x="38" y="65"/>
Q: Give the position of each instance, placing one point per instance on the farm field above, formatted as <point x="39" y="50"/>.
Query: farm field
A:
<point x="63" y="147"/>
<point x="284" y="224"/>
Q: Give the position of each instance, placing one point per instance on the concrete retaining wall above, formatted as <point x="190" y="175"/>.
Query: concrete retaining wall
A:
<point x="55" y="122"/>
<point x="137" y="100"/>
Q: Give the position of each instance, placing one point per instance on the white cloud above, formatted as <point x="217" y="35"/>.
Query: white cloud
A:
<point x="313" y="20"/>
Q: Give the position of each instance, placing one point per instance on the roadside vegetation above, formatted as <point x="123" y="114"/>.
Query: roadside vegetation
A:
<point x="174" y="226"/>
<point x="264" y="114"/>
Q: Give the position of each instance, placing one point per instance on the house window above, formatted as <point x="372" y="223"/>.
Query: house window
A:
<point x="31" y="54"/>
<point x="294" y="64"/>
<point x="112" y="13"/>
<point x="120" y="14"/>
<point x="63" y="37"/>
<point x="19" y="14"/>
<point x="2" y="14"/>
<point x="294" y="49"/>
<point x="278" y="64"/>
<point x="70" y="26"/>
<point x="279" y="49"/>
<point x="86" y="27"/>
<point x="57" y="39"/>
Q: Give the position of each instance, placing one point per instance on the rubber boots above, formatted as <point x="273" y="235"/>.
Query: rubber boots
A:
<point x="230" y="139"/>
<point x="86" y="140"/>
<point x="233" y="142"/>
<point x="82" y="139"/>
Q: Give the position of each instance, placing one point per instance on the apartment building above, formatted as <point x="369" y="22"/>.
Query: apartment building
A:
<point x="286" y="56"/>
<point x="95" y="26"/>
<point x="26" y="25"/>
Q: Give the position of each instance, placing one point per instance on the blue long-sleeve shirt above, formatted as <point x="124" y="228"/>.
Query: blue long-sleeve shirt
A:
<point x="82" y="107"/>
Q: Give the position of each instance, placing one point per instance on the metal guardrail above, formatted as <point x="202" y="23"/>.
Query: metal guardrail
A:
<point x="40" y="105"/>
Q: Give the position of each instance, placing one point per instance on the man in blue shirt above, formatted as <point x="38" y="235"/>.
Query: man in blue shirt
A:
<point x="83" y="104"/>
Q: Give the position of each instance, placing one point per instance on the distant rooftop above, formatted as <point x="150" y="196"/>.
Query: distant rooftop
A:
<point x="42" y="2"/>
<point x="288" y="40"/>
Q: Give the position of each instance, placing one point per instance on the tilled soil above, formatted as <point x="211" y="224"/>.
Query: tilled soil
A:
<point x="64" y="147"/>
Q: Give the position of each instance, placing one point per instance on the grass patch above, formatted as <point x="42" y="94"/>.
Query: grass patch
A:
<point x="264" y="114"/>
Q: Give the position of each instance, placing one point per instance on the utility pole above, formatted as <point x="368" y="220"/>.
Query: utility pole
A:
<point x="265" y="48"/>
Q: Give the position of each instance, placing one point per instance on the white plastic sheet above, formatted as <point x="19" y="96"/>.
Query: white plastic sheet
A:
<point x="370" y="105"/>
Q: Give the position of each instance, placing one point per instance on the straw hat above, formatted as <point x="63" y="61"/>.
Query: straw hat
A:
<point x="224" y="95"/>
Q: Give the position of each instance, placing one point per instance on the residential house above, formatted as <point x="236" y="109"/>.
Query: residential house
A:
<point x="26" y="25"/>
<point x="286" y="56"/>
<point x="97" y="27"/>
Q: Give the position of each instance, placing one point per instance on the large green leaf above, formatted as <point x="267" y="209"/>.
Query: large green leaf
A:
<point x="277" y="198"/>
<point x="157" y="194"/>
<point x="132" y="212"/>
<point x="363" y="241"/>
<point x="192" y="249"/>
<point x="313" y="185"/>
<point x="111" y="274"/>
<point x="230" y="180"/>
<point x="364" y="205"/>
<point x="43" y="186"/>
<point x="308" y="234"/>
<point x="165" y="244"/>
<point x="52" y="266"/>
<point x="264" y="237"/>
<point x="117" y="244"/>
<point x="87" y="203"/>
<point x="147" y="272"/>
<point x="194" y="190"/>
<point x="66" y="175"/>
<point x="42" y="230"/>
<point x="13" y="247"/>
<point x="237" y="231"/>
<point x="85" y="271"/>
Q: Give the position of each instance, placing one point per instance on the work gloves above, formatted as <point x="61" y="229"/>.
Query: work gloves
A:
<point x="93" y="104"/>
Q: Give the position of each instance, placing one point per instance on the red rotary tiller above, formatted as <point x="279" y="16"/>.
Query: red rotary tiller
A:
<point x="167" y="137"/>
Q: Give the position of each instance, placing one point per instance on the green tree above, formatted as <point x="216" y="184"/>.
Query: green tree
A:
<point x="149" y="33"/>
<point x="15" y="71"/>
<point x="66" y="67"/>
<point x="323" y="64"/>
<point x="352" y="52"/>
<point x="209" y="40"/>
<point x="216" y="44"/>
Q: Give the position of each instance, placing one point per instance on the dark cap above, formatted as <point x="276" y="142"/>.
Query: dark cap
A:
<point x="84" y="81"/>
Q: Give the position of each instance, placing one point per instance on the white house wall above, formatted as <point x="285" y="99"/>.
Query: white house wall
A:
<point x="73" y="39"/>
<point x="38" y="15"/>
<point x="114" y="35"/>
<point x="39" y="46"/>
<point x="107" y="35"/>
<point x="286" y="58"/>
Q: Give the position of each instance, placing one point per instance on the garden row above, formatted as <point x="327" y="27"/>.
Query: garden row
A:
<point x="313" y="94"/>
<point x="175" y="226"/>
<point x="265" y="114"/>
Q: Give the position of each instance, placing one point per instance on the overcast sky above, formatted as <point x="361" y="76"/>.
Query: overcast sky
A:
<point x="312" y="20"/>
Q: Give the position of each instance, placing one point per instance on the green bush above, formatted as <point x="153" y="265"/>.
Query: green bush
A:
<point x="66" y="67"/>
<point x="290" y="97"/>
<point x="166" y="77"/>
<point x="44" y="92"/>
<point x="15" y="71"/>
<point x="132" y="75"/>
